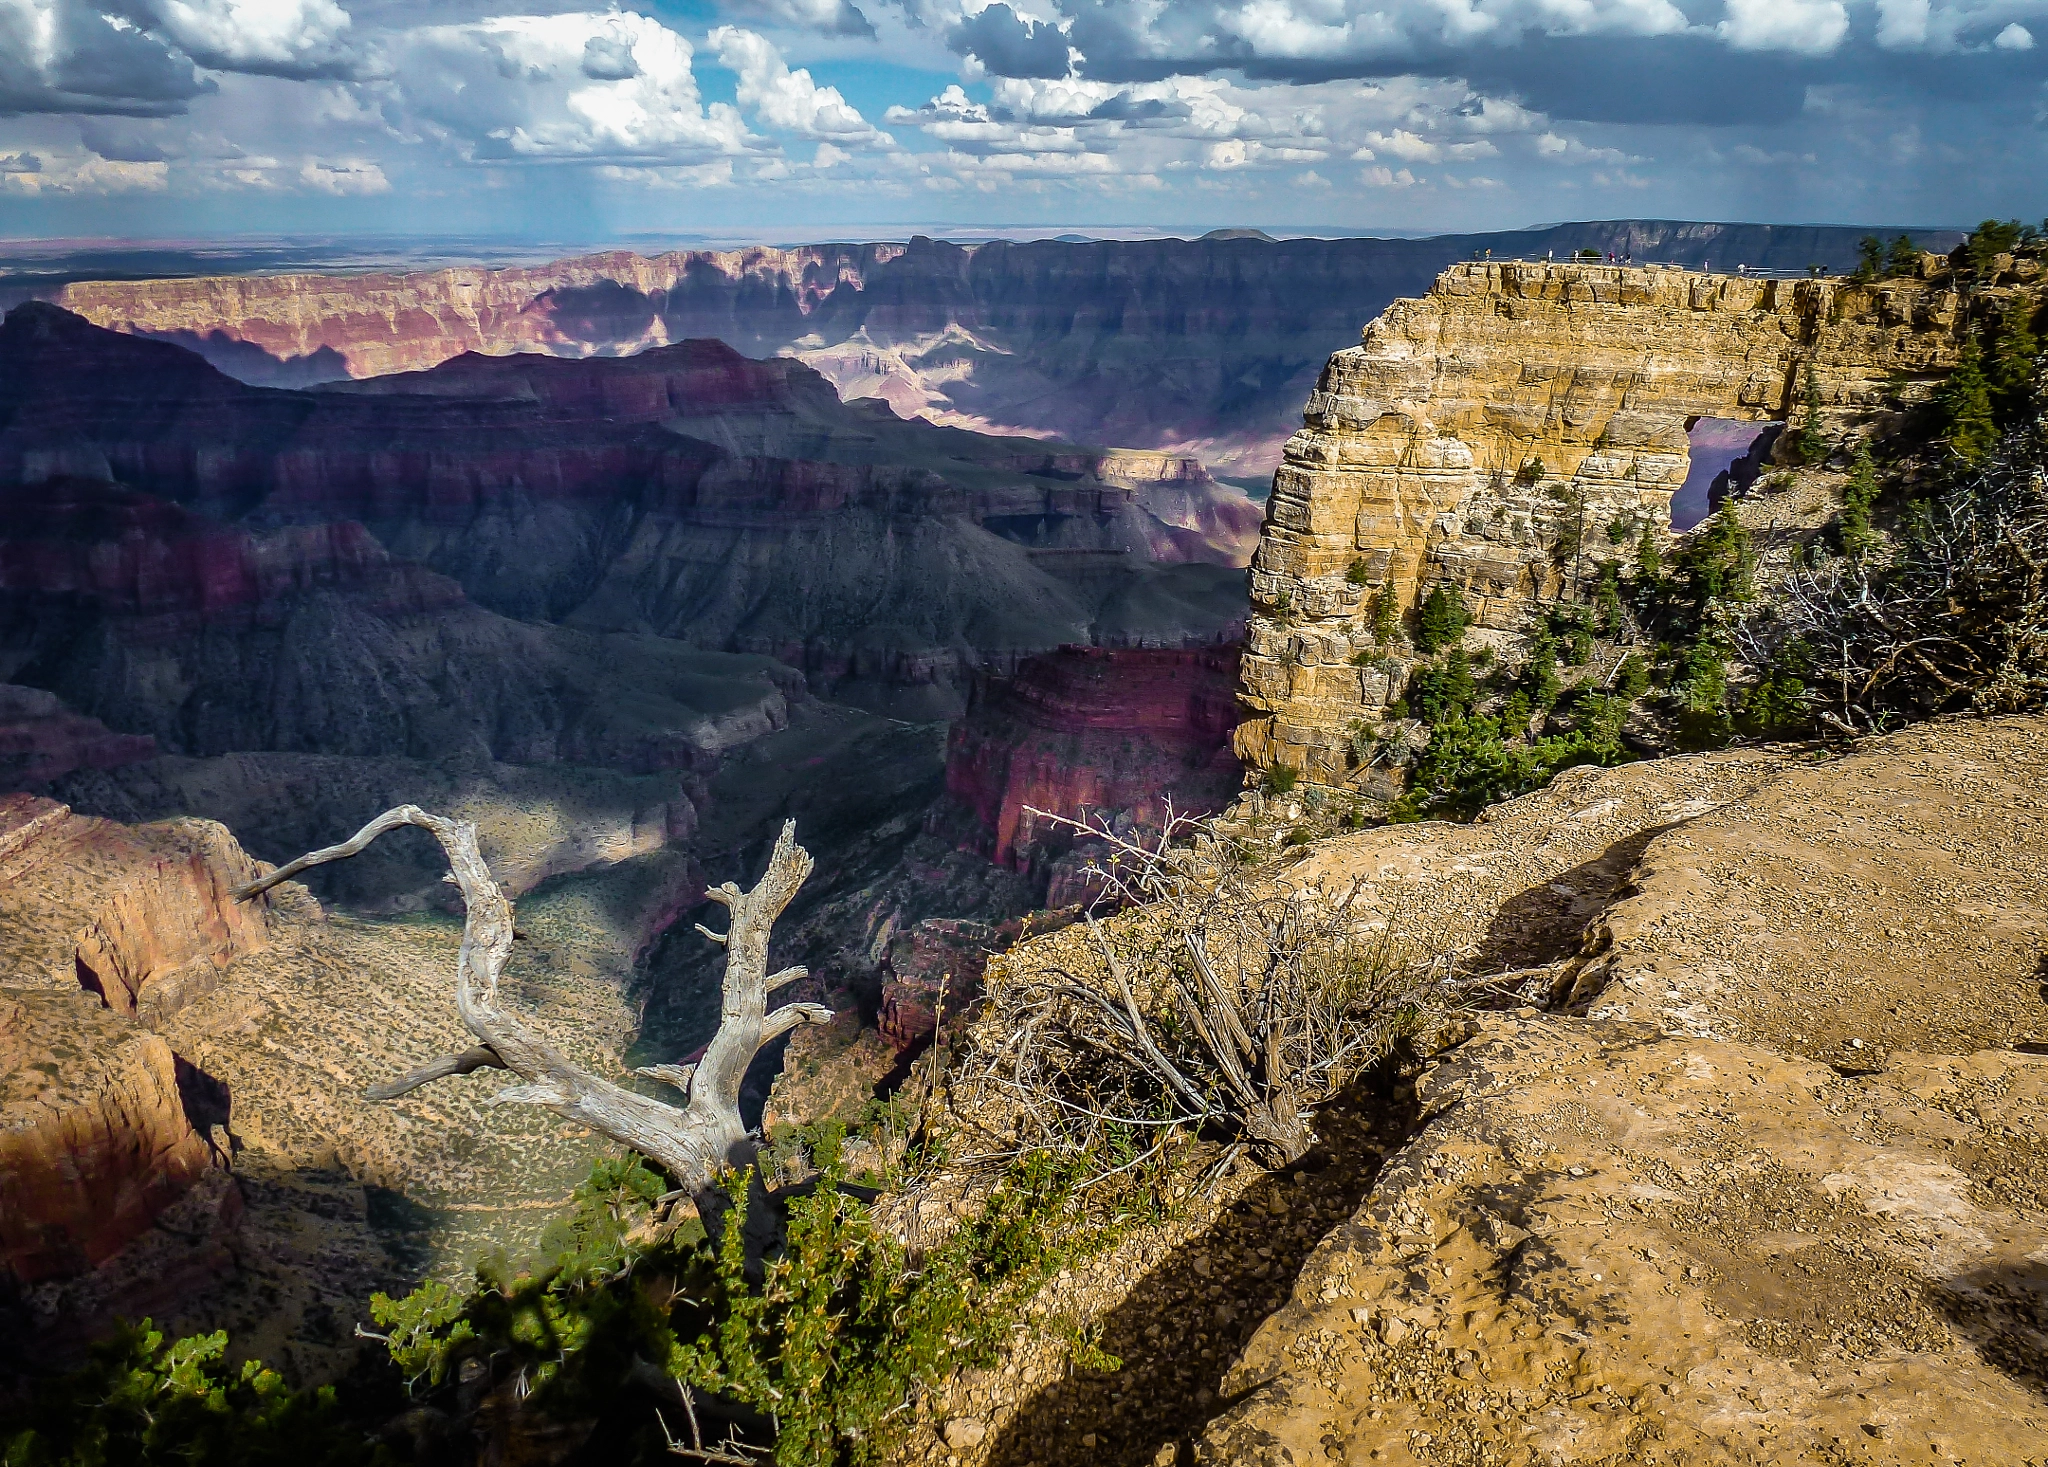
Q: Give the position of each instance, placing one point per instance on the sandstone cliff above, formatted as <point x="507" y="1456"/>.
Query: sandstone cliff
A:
<point x="1489" y="434"/>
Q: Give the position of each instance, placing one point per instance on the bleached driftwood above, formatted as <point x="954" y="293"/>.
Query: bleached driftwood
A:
<point x="694" y="1141"/>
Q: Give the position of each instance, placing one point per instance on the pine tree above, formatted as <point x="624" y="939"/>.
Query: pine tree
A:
<point x="1968" y="426"/>
<point x="1386" y="618"/>
<point x="1649" y="557"/>
<point x="1811" y="446"/>
<point x="1870" y="261"/>
<point x="1858" y="538"/>
<point x="1442" y="620"/>
<point x="1607" y="598"/>
<point x="1903" y="258"/>
<point x="2014" y="353"/>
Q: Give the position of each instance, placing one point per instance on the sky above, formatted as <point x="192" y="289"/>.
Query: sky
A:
<point x="809" y="119"/>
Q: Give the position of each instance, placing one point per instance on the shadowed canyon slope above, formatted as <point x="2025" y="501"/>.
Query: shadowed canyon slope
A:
<point x="1203" y="346"/>
<point x="686" y="492"/>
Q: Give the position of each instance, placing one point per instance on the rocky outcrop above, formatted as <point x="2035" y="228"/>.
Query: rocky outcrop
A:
<point x="95" y="1140"/>
<point x="1489" y="434"/>
<point x="1773" y="1197"/>
<point x="1085" y="731"/>
<point x="141" y="917"/>
<point x="1203" y="346"/>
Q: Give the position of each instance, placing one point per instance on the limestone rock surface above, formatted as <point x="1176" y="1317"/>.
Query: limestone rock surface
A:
<point x="1776" y="1197"/>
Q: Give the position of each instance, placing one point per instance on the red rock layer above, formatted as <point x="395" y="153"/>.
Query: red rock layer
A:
<point x="1088" y="730"/>
<point x="41" y="739"/>
<point x="143" y="917"/>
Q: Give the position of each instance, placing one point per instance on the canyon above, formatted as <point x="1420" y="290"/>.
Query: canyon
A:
<point x="1489" y="434"/>
<point x="1204" y="347"/>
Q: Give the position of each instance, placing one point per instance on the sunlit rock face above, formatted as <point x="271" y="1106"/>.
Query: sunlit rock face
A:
<point x="1490" y="433"/>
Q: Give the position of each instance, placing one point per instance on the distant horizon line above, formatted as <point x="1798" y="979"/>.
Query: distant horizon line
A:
<point x="898" y="232"/>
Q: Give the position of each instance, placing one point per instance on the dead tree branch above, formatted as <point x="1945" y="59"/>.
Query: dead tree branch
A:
<point x="695" y="1141"/>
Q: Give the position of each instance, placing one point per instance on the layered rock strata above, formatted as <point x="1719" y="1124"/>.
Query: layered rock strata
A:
<point x="1084" y="732"/>
<point x="1490" y="433"/>
<point x="1197" y="345"/>
<point x="687" y="492"/>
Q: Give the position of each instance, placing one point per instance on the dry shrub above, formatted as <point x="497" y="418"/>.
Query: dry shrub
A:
<point x="1226" y="1001"/>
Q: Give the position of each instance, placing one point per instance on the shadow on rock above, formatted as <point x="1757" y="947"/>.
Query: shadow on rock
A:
<point x="1186" y="1321"/>
<point x="2003" y="1313"/>
<point x="1546" y="923"/>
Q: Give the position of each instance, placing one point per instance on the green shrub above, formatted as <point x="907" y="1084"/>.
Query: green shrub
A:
<point x="1386" y="617"/>
<point x="1903" y="258"/>
<point x="1442" y="618"/>
<point x="828" y="1339"/>
<point x="1859" y="496"/>
<point x="1443" y="689"/>
<point x="1281" y="780"/>
<point x="1968" y="425"/>
<point x="1358" y="573"/>
<point x="144" y="1399"/>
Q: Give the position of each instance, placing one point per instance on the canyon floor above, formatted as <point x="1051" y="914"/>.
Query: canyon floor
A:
<point x="1750" y="1172"/>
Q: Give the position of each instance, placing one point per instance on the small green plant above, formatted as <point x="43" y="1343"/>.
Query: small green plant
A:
<point x="1386" y="617"/>
<point x="1441" y="619"/>
<point x="1531" y="471"/>
<point x="1992" y="238"/>
<point x="1358" y="573"/>
<point x="1608" y="614"/>
<point x="1964" y="402"/>
<point x="2015" y="352"/>
<point x="1443" y="689"/>
<point x="1811" y="445"/>
<point x="1281" y="779"/>
<point x="1777" y="704"/>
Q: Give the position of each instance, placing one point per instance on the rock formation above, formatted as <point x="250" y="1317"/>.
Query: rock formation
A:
<point x="184" y="1127"/>
<point x="1204" y="346"/>
<point x="1085" y="732"/>
<point x="1769" y="1189"/>
<point x="1489" y="434"/>
<point x="1750" y="1171"/>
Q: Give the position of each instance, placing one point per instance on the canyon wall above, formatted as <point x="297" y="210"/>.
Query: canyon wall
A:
<point x="1489" y="433"/>
<point x="1085" y="732"/>
<point x="686" y="492"/>
<point x="1204" y="346"/>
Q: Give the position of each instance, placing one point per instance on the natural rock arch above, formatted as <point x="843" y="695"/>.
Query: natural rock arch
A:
<point x="1471" y="426"/>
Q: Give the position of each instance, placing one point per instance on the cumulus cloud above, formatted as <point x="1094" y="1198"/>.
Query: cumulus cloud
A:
<point x="289" y="38"/>
<point x="832" y="17"/>
<point x="790" y="100"/>
<point x="2015" y="37"/>
<point x="1810" y="27"/>
<point x="614" y="87"/>
<point x="68" y="56"/>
